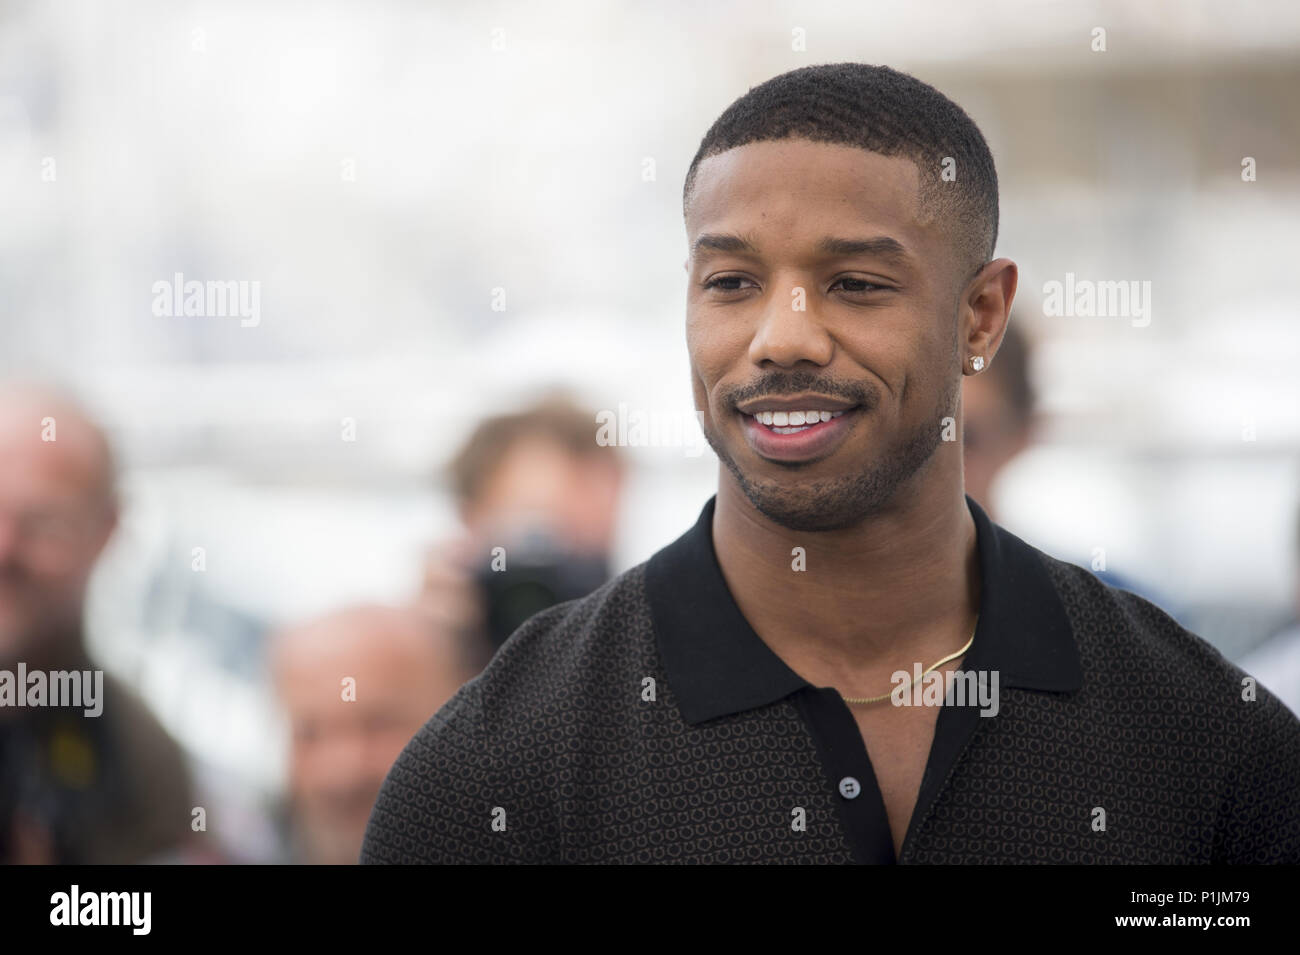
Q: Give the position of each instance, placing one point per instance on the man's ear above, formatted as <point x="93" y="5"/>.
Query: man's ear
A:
<point x="986" y="307"/>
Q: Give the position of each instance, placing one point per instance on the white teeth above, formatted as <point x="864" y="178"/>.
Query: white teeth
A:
<point x="792" y="421"/>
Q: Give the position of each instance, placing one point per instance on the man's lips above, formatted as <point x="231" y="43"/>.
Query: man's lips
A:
<point x="804" y="402"/>
<point x="785" y="440"/>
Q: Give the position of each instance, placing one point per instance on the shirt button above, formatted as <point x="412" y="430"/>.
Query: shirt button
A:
<point x="849" y="787"/>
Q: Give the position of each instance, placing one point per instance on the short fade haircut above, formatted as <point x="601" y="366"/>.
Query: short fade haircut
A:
<point x="882" y="111"/>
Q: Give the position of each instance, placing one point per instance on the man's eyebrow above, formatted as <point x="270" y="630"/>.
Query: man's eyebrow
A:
<point x="882" y="246"/>
<point x="723" y="242"/>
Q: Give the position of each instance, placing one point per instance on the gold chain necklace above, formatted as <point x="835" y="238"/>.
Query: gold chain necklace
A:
<point x="917" y="679"/>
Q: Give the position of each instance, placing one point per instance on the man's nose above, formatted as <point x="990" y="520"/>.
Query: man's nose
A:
<point x="790" y="330"/>
<point x="346" y="758"/>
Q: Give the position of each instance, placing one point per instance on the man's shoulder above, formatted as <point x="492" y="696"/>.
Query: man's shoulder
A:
<point x="1117" y="627"/>
<point x="158" y="785"/>
<point x="153" y="750"/>
<point x="603" y="638"/>
<point x="1147" y="678"/>
<point x="1136" y="647"/>
<point x="493" y="754"/>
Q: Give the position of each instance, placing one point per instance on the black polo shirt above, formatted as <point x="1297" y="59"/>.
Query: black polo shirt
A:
<point x="648" y="722"/>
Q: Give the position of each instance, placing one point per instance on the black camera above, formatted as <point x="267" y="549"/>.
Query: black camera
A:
<point x="536" y="572"/>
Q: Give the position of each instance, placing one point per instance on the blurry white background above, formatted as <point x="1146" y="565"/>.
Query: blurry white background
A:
<point x="380" y="168"/>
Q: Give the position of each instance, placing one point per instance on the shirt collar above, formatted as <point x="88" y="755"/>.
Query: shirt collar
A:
<point x="717" y="665"/>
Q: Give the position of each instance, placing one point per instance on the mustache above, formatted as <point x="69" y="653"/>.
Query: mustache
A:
<point x="783" y="384"/>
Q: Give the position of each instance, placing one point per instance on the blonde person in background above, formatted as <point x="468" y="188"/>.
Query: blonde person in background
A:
<point x="535" y="483"/>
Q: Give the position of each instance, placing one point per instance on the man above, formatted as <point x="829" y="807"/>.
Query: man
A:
<point x="355" y="684"/>
<point x="841" y="222"/>
<point x="74" y="788"/>
<point x="534" y="483"/>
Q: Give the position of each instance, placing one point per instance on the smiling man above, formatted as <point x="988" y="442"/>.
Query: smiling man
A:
<point x="845" y="660"/>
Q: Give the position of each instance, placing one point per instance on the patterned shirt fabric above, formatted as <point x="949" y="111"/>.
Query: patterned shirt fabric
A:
<point x="648" y="723"/>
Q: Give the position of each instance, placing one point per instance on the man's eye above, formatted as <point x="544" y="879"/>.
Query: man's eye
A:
<point x="859" y="285"/>
<point x="718" y="283"/>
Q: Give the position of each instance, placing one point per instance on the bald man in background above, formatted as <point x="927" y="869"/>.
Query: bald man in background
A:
<point x="356" y="685"/>
<point x="112" y="788"/>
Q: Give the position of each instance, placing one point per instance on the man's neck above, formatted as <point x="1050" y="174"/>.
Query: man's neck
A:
<point x="900" y="587"/>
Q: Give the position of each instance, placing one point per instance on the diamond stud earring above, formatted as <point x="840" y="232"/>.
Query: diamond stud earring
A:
<point x="977" y="362"/>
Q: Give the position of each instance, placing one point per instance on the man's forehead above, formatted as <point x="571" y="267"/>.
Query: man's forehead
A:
<point x="796" y="180"/>
<point x="43" y="433"/>
<point x="71" y="465"/>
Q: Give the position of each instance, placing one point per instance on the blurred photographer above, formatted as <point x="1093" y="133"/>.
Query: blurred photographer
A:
<point x="536" y="485"/>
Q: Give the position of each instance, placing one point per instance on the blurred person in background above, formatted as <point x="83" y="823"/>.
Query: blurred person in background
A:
<point x="997" y="417"/>
<point x="998" y="424"/>
<point x="356" y="684"/>
<point x="1276" y="663"/>
<point x="112" y="788"/>
<point x="536" y="484"/>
